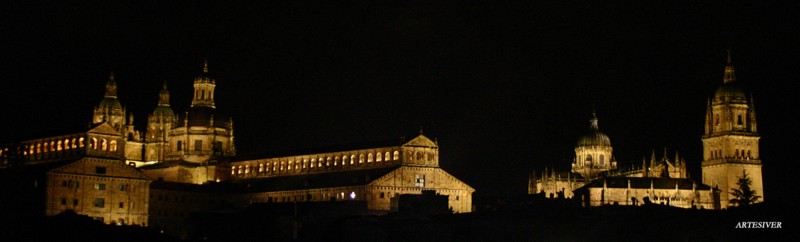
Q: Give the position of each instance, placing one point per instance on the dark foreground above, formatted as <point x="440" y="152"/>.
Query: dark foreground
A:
<point x="529" y="221"/>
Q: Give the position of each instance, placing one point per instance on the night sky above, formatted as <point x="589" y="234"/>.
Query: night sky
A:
<point x="504" y="88"/>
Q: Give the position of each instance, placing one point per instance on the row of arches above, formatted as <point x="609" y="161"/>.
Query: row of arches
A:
<point x="590" y="160"/>
<point x="314" y="163"/>
<point x="741" y="154"/>
<point x="44" y="147"/>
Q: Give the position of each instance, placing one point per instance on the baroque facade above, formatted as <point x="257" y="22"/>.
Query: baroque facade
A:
<point x="120" y="175"/>
<point x="730" y="149"/>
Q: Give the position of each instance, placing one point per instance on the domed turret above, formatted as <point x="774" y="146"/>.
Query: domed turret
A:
<point x="594" y="137"/>
<point x="110" y="109"/>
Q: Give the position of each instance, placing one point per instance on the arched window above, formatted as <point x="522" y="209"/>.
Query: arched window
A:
<point x="352" y="159"/>
<point x="66" y="144"/>
<point x="588" y="160"/>
<point x="58" y="145"/>
<point x="388" y="156"/>
<point x="233" y="170"/>
<point x="246" y="169"/>
<point x="344" y="160"/>
<point x="290" y="165"/>
<point x="305" y="164"/>
<point x="361" y="158"/>
<point x="93" y="145"/>
<point x="419" y="156"/>
<point x="104" y="145"/>
<point x="45" y="147"/>
<point x="75" y="144"/>
<point x="319" y="162"/>
<point x="396" y="155"/>
<point x="369" y="157"/>
<point x="736" y="153"/>
<point x="240" y="170"/>
<point x="378" y="157"/>
<point x="282" y="165"/>
<point x="80" y="142"/>
<point x="748" y="153"/>
<point x="312" y="163"/>
<point x="274" y="166"/>
<point x="260" y="167"/>
<point x="328" y="161"/>
<point x="602" y="159"/>
<point x="336" y="161"/>
<point x="113" y="145"/>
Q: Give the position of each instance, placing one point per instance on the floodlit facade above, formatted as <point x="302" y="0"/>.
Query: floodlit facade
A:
<point x="730" y="149"/>
<point x="730" y="141"/>
<point x="186" y="163"/>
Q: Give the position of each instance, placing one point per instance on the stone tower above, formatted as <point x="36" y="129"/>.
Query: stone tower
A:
<point x="204" y="89"/>
<point x="201" y="135"/>
<point x="730" y="141"/>
<point x="159" y="123"/>
<point x="110" y="109"/>
<point x="593" y="152"/>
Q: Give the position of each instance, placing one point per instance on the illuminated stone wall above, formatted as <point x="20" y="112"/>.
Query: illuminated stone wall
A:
<point x="104" y="189"/>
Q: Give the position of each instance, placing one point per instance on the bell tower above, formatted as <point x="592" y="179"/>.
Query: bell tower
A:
<point x="204" y="89"/>
<point x="730" y="141"/>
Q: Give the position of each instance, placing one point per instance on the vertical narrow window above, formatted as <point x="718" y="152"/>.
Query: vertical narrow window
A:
<point x="80" y="142"/>
<point x="378" y="157"/>
<point x="104" y="145"/>
<point x="369" y="157"/>
<point x="602" y="159"/>
<point x="739" y="119"/>
<point x="361" y="158"/>
<point x="396" y="155"/>
<point x="198" y="145"/>
<point x="113" y="146"/>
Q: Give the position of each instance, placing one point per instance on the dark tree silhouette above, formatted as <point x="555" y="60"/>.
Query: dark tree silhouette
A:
<point x="743" y="195"/>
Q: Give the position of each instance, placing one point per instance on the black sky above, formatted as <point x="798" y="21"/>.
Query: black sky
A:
<point x="506" y="88"/>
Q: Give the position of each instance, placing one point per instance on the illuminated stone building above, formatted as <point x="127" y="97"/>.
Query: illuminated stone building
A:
<point x="730" y="141"/>
<point x="116" y="174"/>
<point x="730" y="149"/>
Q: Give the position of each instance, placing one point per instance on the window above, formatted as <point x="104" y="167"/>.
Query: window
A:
<point x="602" y="159"/>
<point x="198" y="145"/>
<point x="378" y="157"/>
<point x="104" y="145"/>
<point x="218" y="147"/>
<point x="99" y="203"/>
<point x="113" y="146"/>
<point x="123" y="187"/>
<point x="352" y="159"/>
<point x="63" y="201"/>
<point x="396" y="155"/>
<point x="100" y="186"/>
<point x="75" y="202"/>
<point x="420" y="181"/>
<point x="121" y="205"/>
<point x="369" y="157"/>
<point x="716" y="119"/>
<point x="179" y="146"/>
<point x="382" y="195"/>
<point x="80" y="142"/>
<point x="361" y="158"/>
<point x="260" y="168"/>
<point x="739" y="119"/>
<point x="100" y="169"/>
<point x="58" y="145"/>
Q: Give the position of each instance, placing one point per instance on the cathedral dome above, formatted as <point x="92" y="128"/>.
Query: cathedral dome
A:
<point x="595" y="137"/>
<point x="729" y="91"/>
<point x="201" y="116"/>
<point x="110" y="103"/>
<point x="164" y="111"/>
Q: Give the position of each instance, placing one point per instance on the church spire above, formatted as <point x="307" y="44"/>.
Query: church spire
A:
<point x="163" y="96"/>
<point x="729" y="76"/>
<point x="111" y="86"/>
